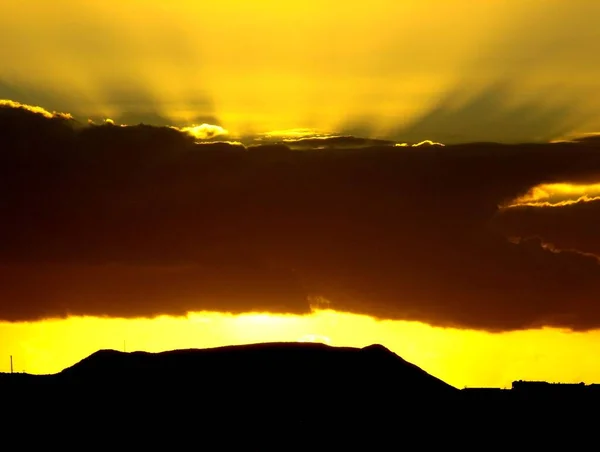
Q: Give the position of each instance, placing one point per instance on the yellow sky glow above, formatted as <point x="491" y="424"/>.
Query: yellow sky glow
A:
<point x="270" y="65"/>
<point x="459" y="357"/>
<point x="560" y="194"/>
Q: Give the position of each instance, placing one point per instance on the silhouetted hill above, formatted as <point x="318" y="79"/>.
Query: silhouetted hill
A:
<point x="300" y="368"/>
<point x="288" y="385"/>
<point x="304" y="391"/>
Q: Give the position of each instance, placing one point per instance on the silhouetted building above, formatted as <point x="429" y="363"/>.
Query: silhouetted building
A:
<point x="547" y="390"/>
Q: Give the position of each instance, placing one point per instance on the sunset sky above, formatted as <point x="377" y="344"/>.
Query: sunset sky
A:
<point x="182" y="174"/>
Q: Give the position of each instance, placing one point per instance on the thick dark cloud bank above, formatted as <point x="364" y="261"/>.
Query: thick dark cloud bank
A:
<point x="141" y="221"/>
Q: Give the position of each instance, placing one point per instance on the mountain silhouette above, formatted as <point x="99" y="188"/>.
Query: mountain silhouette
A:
<point x="282" y="386"/>
<point x="307" y="392"/>
<point x="280" y="377"/>
<point x="306" y="364"/>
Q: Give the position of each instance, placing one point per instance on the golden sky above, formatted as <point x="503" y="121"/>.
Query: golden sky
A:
<point x="459" y="357"/>
<point x="404" y="70"/>
<point x="374" y="68"/>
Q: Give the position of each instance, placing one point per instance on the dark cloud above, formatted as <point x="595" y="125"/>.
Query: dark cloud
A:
<point x="139" y="221"/>
<point x="328" y="142"/>
<point x="148" y="117"/>
<point x="592" y="138"/>
<point x="571" y="226"/>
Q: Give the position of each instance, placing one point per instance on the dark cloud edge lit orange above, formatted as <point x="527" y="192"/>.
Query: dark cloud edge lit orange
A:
<point x="140" y="221"/>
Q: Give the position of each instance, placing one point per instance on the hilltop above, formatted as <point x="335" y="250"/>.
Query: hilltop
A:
<point x="309" y="391"/>
<point x="302" y="368"/>
<point x="275" y="384"/>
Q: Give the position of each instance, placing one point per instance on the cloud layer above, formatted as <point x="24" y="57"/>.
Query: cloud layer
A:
<point x="141" y="221"/>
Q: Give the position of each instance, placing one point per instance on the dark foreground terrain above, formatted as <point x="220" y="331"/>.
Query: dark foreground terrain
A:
<point x="307" y="392"/>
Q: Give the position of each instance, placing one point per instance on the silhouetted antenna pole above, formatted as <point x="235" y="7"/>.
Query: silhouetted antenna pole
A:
<point x="11" y="364"/>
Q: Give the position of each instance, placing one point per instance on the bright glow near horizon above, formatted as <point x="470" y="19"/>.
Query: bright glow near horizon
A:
<point x="459" y="357"/>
